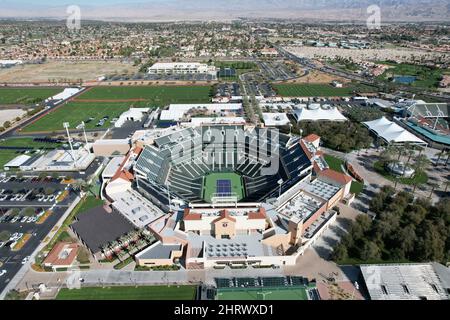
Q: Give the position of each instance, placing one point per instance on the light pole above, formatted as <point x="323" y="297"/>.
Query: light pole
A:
<point x="66" y="126"/>
<point x="280" y="182"/>
<point x="83" y="125"/>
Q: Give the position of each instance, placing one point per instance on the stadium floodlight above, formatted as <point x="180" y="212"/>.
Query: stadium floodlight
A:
<point x="83" y="125"/>
<point x="66" y="125"/>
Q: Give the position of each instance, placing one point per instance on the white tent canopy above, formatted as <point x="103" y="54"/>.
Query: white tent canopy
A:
<point x="390" y="131"/>
<point x="318" y="114"/>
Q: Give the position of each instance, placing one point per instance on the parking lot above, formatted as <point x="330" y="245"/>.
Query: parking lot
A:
<point x="29" y="209"/>
<point x="276" y="71"/>
<point x="228" y="90"/>
<point x="163" y="77"/>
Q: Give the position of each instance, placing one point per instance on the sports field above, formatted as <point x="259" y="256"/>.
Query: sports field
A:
<point x="215" y="180"/>
<point x="74" y="113"/>
<point x="7" y="155"/>
<point x="24" y="96"/>
<point x="265" y="294"/>
<point x="311" y="90"/>
<point x="155" y="95"/>
<point x="129" y="293"/>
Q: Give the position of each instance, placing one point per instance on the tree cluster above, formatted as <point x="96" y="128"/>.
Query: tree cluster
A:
<point x="404" y="230"/>
<point x="341" y="136"/>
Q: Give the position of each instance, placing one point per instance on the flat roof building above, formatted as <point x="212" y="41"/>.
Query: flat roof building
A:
<point x="408" y="281"/>
<point x="170" y="68"/>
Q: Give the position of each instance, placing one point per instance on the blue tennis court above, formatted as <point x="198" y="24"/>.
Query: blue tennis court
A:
<point x="223" y="187"/>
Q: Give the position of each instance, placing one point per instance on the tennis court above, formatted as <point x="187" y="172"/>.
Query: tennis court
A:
<point x="223" y="187"/>
<point x="281" y="293"/>
<point x="223" y="184"/>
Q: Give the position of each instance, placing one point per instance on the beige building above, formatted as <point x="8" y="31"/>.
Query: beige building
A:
<point x="159" y="254"/>
<point x="110" y="147"/>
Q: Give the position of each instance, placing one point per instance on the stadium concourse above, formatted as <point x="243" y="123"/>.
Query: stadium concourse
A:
<point x="212" y="200"/>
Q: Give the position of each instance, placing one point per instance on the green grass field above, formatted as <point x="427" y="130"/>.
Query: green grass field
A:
<point x="257" y="294"/>
<point x="311" y="90"/>
<point x="426" y="77"/>
<point x="26" y="95"/>
<point x="210" y="185"/>
<point x="336" y="164"/>
<point x="8" y="155"/>
<point x="129" y="293"/>
<point x="419" y="178"/>
<point x="155" y="95"/>
<point x="74" y="113"/>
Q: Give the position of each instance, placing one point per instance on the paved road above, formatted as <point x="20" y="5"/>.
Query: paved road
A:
<point x="13" y="263"/>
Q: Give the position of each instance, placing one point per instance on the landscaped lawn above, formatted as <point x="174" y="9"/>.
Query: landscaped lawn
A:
<point x="26" y="95"/>
<point x="129" y="293"/>
<point x="419" y="178"/>
<point x="88" y="203"/>
<point x="155" y="95"/>
<point x="312" y="90"/>
<point x="336" y="164"/>
<point x="426" y="77"/>
<point x="75" y="113"/>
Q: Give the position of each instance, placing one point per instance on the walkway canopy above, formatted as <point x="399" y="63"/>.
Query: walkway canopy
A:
<point x="392" y="132"/>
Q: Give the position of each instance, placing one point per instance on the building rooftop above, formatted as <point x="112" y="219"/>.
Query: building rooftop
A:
<point x="416" y="281"/>
<point x="158" y="251"/>
<point x="137" y="209"/>
<point x="97" y="227"/>
<point x="62" y="254"/>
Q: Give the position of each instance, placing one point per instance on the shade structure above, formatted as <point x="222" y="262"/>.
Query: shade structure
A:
<point x="392" y="132"/>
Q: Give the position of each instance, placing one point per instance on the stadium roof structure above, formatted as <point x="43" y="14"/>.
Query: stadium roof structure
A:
<point x="417" y="281"/>
<point x="429" y="110"/>
<point x="392" y="132"/>
<point x="318" y="114"/>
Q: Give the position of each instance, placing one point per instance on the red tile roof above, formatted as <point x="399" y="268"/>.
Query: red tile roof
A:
<point x="339" y="177"/>
<point x="54" y="258"/>
<point x="137" y="150"/>
<point x="191" y="216"/>
<point x="260" y="214"/>
<point x="312" y="137"/>
<point x="225" y="215"/>
<point x="305" y="150"/>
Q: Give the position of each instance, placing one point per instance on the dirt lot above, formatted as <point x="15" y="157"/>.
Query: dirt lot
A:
<point x="316" y="77"/>
<point x="67" y="70"/>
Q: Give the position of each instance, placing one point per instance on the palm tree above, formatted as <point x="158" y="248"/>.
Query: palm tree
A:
<point x="447" y="153"/>
<point x="421" y="163"/>
<point x="440" y="154"/>
<point x="410" y="153"/>
<point x="387" y="154"/>
<point x="447" y="183"/>
<point x="433" y="187"/>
